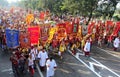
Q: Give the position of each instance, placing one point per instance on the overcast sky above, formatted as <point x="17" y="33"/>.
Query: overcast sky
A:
<point x="10" y="1"/>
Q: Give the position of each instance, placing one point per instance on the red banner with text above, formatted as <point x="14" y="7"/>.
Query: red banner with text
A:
<point x="34" y="34"/>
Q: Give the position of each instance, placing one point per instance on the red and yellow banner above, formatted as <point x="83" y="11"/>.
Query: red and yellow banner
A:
<point x="68" y="27"/>
<point x="24" y="40"/>
<point x="61" y="31"/>
<point x="90" y="27"/>
<point x="116" y="29"/>
<point x="44" y="32"/>
<point x="29" y="18"/>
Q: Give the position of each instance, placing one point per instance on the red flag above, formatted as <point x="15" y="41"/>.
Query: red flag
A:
<point x="42" y="15"/>
<point x="61" y="31"/>
<point x="68" y="27"/>
<point x="34" y="34"/>
<point x="117" y="29"/>
<point x="90" y="27"/>
<point x="109" y="23"/>
<point x="61" y="25"/>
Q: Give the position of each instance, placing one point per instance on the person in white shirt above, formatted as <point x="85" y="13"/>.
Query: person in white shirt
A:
<point x="87" y="48"/>
<point x="31" y="65"/>
<point x="33" y="53"/>
<point x="116" y="43"/>
<point x="51" y="66"/>
<point x="42" y="57"/>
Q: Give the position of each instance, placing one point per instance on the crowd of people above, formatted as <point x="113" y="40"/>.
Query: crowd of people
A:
<point x="27" y="58"/>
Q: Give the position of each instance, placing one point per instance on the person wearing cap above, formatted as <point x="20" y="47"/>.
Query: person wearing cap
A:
<point x="51" y="66"/>
<point x="87" y="48"/>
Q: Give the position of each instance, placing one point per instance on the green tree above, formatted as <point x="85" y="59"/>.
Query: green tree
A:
<point x="70" y="6"/>
<point x="107" y="8"/>
<point x="84" y="7"/>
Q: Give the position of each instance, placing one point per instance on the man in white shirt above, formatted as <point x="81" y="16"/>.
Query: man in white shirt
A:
<point x="42" y="57"/>
<point x="51" y="65"/>
<point x="33" y="53"/>
<point x="116" y="43"/>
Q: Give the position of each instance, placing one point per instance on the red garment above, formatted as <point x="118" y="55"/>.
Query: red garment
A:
<point x="90" y="27"/>
<point x="31" y="69"/>
<point x="54" y="43"/>
<point x="42" y="15"/>
<point x="110" y="38"/>
<point x="14" y="60"/>
<point x="87" y="53"/>
<point x="18" y="54"/>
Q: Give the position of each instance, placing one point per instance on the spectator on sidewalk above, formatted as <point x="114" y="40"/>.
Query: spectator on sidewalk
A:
<point x="51" y="66"/>
<point x="116" y="43"/>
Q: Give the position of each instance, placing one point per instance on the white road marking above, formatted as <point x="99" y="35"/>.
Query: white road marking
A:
<point x="11" y="72"/>
<point x="40" y="73"/>
<point x="108" y="52"/>
<point x="105" y="67"/>
<point x="79" y="50"/>
<point x="7" y="70"/>
<point x="91" y="64"/>
<point x="77" y="57"/>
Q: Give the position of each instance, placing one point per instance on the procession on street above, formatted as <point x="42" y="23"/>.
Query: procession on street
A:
<point x="35" y="38"/>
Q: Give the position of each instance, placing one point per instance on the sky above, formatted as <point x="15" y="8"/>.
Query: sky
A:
<point x="10" y="1"/>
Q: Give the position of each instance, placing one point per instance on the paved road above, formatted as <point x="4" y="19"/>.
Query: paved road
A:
<point x="6" y="69"/>
<point x="112" y="62"/>
<point x="100" y="64"/>
<point x="5" y="65"/>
